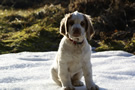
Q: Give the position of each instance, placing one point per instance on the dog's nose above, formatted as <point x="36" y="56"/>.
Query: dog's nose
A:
<point x="76" y="31"/>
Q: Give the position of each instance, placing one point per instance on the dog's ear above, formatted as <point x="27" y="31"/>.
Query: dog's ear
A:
<point x="64" y="24"/>
<point x="89" y="27"/>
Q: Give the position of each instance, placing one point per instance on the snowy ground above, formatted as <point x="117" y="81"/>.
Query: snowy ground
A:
<point x="112" y="70"/>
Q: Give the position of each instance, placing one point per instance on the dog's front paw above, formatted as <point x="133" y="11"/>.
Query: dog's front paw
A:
<point x="93" y="87"/>
<point x="68" y="88"/>
<point x="78" y="83"/>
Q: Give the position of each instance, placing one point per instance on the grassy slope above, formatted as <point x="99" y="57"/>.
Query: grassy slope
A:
<point x="38" y="30"/>
<point x="30" y="30"/>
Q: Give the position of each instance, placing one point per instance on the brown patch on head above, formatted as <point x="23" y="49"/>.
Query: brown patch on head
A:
<point x="64" y="24"/>
<point x="83" y="23"/>
<point x="89" y="28"/>
<point x="69" y="22"/>
<point x="86" y="23"/>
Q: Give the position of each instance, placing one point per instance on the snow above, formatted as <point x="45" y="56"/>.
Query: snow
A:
<point x="112" y="70"/>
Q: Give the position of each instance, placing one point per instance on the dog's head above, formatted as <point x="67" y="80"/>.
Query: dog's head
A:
<point x="76" y="26"/>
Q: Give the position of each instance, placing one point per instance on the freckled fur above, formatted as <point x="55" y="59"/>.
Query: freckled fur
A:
<point x="73" y="61"/>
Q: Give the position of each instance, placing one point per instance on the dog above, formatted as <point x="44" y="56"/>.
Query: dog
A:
<point x="73" y="57"/>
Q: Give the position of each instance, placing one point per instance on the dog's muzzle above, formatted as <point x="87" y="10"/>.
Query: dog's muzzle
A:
<point x="76" y="32"/>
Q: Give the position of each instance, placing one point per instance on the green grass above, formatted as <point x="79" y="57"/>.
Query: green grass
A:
<point x="38" y="30"/>
<point x="30" y="30"/>
<point x="110" y="44"/>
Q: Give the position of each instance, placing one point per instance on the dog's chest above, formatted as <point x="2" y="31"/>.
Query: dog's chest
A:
<point x="75" y="61"/>
<point x="75" y="55"/>
<point x="74" y="66"/>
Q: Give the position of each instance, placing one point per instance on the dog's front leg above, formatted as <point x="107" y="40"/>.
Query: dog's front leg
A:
<point x="64" y="76"/>
<point x="87" y="71"/>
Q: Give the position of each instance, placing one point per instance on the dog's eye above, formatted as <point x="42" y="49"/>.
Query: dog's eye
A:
<point x="82" y="23"/>
<point x="71" y="22"/>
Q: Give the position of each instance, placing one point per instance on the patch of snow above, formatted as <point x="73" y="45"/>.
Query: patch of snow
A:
<point x="112" y="70"/>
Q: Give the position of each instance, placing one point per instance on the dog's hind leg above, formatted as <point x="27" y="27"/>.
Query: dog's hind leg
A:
<point x="54" y="76"/>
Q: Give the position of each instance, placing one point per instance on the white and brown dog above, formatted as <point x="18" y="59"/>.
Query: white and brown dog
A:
<point x="74" y="54"/>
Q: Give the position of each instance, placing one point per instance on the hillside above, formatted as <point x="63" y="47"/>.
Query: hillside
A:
<point x="30" y="30"/>
<point x="34" y="25"/>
